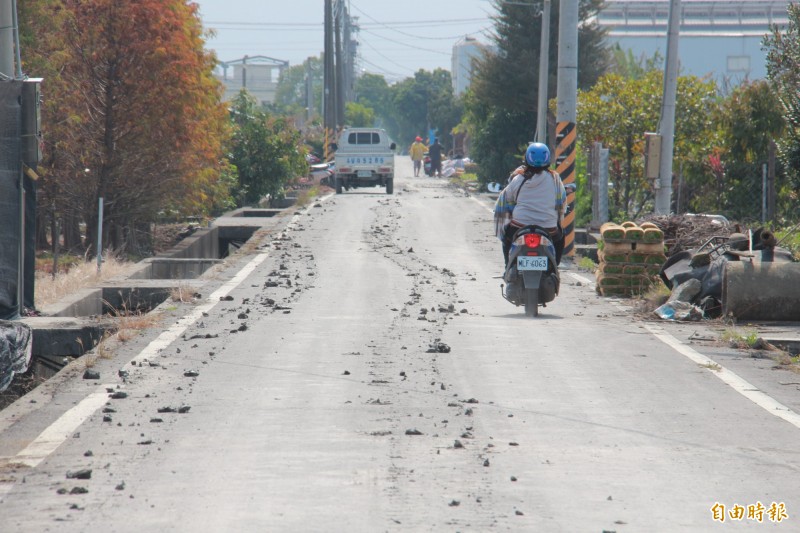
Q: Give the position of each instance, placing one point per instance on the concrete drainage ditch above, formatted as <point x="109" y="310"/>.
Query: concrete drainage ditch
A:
<point x="76" y="324"/>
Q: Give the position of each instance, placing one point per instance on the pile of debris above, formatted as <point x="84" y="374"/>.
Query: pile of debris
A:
<point x="742" y="275"/>
<point x="688" y="231"/>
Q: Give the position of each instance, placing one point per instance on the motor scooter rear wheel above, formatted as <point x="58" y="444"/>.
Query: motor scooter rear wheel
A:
<point x="532" y="302"/>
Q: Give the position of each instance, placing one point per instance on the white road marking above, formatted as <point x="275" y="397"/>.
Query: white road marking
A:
<point x="60" y="430"/>
<point x="740" y="385"/>
<point x="737" y="383"/>
<point x="578" y="277"/>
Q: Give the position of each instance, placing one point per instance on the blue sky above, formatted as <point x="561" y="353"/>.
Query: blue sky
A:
<point x="396" y="38"/>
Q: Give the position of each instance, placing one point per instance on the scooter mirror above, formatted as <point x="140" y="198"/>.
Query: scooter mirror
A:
<point x="493" y="187"/>
<point x="571" y="187"/>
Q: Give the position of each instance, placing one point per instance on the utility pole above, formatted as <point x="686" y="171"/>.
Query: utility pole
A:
<point x="544" y="60"/>
<point x="347" y="47"/>
<point x="309" y="90"/>
<point x="771" y="192"/>
<point x="19" y="156"/>
<point x="566" y="133"/>
<point x="667" y="125"/>
<point x="339" y="61"/>
<point x="329" y="117"/>
<point x="6" y="39"/>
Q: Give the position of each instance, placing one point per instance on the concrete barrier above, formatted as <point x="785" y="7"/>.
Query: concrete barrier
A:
<point x="761" y="290"/>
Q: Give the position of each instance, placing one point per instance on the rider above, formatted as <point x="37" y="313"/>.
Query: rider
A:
<point x="534" y="195"/>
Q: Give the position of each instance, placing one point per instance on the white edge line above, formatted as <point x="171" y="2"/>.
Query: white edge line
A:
<point x="64" y="427"/>
<point x="60" y="430"/>
<point x="737" y="383"/>
<point x="740" y="385"/>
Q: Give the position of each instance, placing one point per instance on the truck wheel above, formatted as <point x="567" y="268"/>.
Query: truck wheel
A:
<point x="390" y="186"/>
<point x="338" y="185"/>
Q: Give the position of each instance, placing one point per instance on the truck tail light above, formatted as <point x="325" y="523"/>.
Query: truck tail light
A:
<point x="345" y="170"/>
<point x="384" y="169"/>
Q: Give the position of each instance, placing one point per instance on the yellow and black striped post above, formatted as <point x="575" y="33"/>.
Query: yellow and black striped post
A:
<point x="566" y="134"/>
<point x="326" y="150"/>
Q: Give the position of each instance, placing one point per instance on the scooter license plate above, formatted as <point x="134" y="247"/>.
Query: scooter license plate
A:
<point x="530" y="262"/>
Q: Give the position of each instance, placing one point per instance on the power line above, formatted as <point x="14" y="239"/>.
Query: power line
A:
<point x="416" y="23"/>
<point x="429" y="22"/>
<point x="288" y="25"/>
<point x="385" y="57"/>
<point x="383" y="70"/>
<point x="405" y="44"/>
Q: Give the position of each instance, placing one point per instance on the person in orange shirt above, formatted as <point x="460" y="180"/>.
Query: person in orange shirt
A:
<point x="417" y="152"/>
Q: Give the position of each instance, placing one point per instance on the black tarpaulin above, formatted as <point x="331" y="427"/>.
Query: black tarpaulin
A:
<point x="10" y="172"/>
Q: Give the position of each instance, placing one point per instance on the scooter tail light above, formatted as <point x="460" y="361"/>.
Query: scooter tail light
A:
<point x="533" y="240"/>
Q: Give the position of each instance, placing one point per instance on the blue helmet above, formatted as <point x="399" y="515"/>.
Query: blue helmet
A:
<point x="537" y="155"/>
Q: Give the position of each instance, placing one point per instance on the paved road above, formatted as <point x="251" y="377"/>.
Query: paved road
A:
<point x="315" y="402"/>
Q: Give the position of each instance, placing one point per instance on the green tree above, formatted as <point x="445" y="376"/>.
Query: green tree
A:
<point x="783" y="69"/>
<point x="618" y="111"/>
<point x="358" y="116"/>
<point x="371" y="90"/>
<point x="626" y="65"/>
<point x="421" y="103"/>
<point x="749" y="120"/>
<point x="290" y="94"/>
<point x="266" y="151"/>
<point x="501" y="111"/>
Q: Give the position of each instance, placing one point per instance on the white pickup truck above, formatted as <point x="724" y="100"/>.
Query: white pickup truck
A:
<point x="364" y="158"/>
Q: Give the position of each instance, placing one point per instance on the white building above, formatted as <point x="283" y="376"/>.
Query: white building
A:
<point x="721" y="38"/>
<point x="464" y="52"/>
<point x="258" y="74"/>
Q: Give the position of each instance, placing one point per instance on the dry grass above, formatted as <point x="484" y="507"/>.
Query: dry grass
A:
<point x="654" y="298"/>
<point x="129" y="323"/>
<point x="183" y="293"/>
<point x="741" y="339"/>
<point x="138" y="321"/>
<point x="50" y="290"/>
<point x="305" y="196"/>
<point x="104" y="350"/>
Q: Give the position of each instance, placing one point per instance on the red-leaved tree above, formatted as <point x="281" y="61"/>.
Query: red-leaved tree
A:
<point x="136" y="117"/>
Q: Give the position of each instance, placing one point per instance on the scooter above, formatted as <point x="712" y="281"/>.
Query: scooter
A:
<point x="531" y="277"/>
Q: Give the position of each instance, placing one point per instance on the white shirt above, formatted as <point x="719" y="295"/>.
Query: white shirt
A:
<point x="537" y="199"/>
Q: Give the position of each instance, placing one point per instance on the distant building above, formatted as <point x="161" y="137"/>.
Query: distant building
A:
<point x="721" y="38"/>
<point x="258" y="74"/>
<point x="464" y="52"/>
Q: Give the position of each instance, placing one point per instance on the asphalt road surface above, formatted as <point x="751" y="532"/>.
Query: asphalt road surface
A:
<point x="359" y="371"/>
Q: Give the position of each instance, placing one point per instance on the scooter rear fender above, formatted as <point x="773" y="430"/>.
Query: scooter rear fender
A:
<point x="532" y="278"/>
